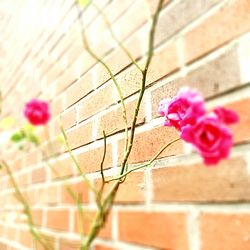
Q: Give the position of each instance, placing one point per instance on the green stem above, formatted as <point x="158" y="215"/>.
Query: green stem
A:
<point x="98" y="59"/>
<point x="33" y="229"/>
<point x="143" y="84"/>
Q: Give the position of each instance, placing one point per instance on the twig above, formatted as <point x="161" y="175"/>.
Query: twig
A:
<point x="146" y="164"/>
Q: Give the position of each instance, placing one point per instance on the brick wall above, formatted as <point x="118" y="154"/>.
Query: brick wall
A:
<point x="178" y="204"/>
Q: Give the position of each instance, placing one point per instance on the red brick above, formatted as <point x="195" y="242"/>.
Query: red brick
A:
<point x="90" y="160"/>
<point x="148" y="144"/>
<point x="37" y="216"/>
<point x="97" y="102"/>
<point x="48" y="195"/>
<point x="88" y="217"/>
<point x="101" y="247"/>
<point x="38" y="175"/>
<point x="229" y="22"/>
<point x="80" y="136"/>
<point x="114" y="121"/>
<point x="69" y="119"/>
<point x="212" y="78"/>
<point x="55" y="221"/>
<point x="132" y="190"/>
<point x="80" y="190"/>
<point x="164" y="62"/>
<point x="62" y="168"/>
<point x="69" y="245"/>
<point x="225" y="231"/>
<point x="241" y="130"/>
<point x="161" y="230"/>
<point x="132" y="19"/>
<point x="193" y="182"/>
<point x="78" y="90"/>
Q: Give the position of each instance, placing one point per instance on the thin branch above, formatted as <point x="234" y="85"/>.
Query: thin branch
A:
<point x="146" y="164"/>
<point x="92" y="188"/>
<point x="119" y="43"/>
<point x="33" y="229"/>
<point x="143" y="84"/>
<point x="98" y="59"/>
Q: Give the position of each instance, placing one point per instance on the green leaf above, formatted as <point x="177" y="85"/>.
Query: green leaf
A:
<point x="33" y="138"/>
<point x="17" y="137"/>
<point x="84" y="3"/>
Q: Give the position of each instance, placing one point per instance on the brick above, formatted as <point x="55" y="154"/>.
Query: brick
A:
<point x="164" y="62"/>
<point x="130" y="80"/>
<point x="161" y="230"/>
<point x="69" y="245"/>
<point x="241" y="130"/>
<point x="88" y="217"/>
<point x="25" y="238"/>
<point x="80" y="136"/>
<point x="80" y="190"/>
<point x="90" y="160"/>
<point x="56" y="107"/>
<point x="153" y="5"/>
<point x="62" y="168"/>
<point x="37" y="216"/>
<point x="46" y="195"/>
<point x="227" y="182"/>
<point x="136" y="16"/>
<point x="78" y="90"/>
<point x="216" y="227"/>
<point x="171" y="17"/>
<point x="118" y="59"/>
<point x="100" y="100"/>
<point x="55" y="221"/>
<point x="228" y="23"/>
<point x="148" y="144"/>
<point x="214" y="77"/>
<point x="69" y="119"/>
<point x="101" y="247"/>
<point x="38" y="175"/>
<point x="132" y="190"/>
<point x="114" y="121"/>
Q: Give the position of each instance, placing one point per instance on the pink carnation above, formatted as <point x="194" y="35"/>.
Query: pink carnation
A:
<point x="183" y="109"/>
<point x="226" y="115"/>
<point x="212" y="139"/>
<point x="37" y="112"/>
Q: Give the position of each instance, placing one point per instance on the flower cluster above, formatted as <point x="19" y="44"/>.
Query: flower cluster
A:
<point x="207" y="132"/>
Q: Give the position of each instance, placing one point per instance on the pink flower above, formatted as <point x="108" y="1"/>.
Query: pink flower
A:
<point x="37" y="112"/>
<point x="183" y="109"/>
<point x="226" y="115"/>
<point x="211" y="138"/>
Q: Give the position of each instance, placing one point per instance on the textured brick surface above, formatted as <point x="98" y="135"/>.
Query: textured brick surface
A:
<point x="178" y="203"/>
<point x="197" y="183"/>
<point x="215" y="234"/>
<point x="162" y="230"/>
<point x="229" y="22"/>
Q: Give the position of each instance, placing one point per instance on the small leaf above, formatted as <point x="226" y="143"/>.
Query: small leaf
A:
<point x="17" y="137"/>
<point x="33" y="138"/>
<point x="83" y="3"/>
